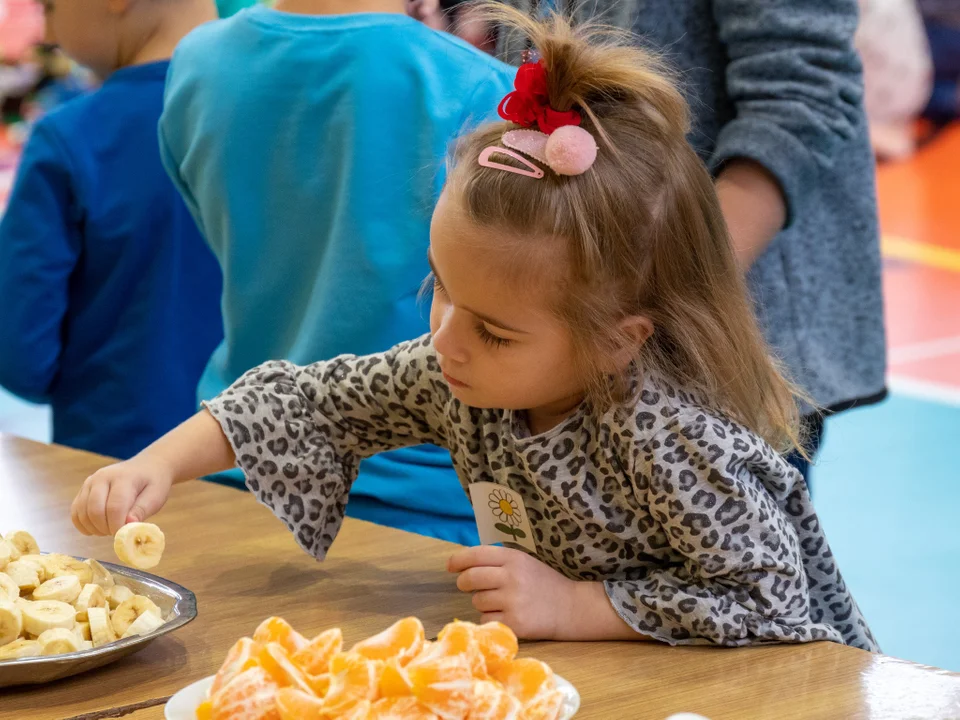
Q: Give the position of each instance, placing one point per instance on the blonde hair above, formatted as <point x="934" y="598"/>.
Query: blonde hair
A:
<point x="641" y="232"/>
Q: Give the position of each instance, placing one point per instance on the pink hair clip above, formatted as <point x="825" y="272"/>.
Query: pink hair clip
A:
<point x="485" y="161"/>
<point x="568" y="150"/>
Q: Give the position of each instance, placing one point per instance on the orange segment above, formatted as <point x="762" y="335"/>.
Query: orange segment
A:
<point x="526" y="678"/>
<point x="276" y="661"/>
<point x="293" y="704"/>
<point x="443" y="684"/>
<point x="237" y="661"/>
<point x="460" y="638"/>
<point x="353" y="679"/>
<point x="402" y="640"/>
<point x="248" y="696"/>
<point x="394" y="681"/>
<point x="546" y="706"/>
<point x="360" y="711"/>
<point x="314" y="657"/>
<point x="319" y="684"/>
<point x="205" y="710"/>
<point x="400" y="708"/>
<point x="492" y="702"/>
<point x="278" y="630"/>
<point x="498" y="643"/>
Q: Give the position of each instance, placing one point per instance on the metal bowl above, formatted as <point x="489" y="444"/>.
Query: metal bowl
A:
<point x="178" y="605"/>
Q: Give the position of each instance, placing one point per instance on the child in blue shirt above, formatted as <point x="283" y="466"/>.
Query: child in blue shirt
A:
<point x="109" y="297"/>
<point x="310" y="147"/>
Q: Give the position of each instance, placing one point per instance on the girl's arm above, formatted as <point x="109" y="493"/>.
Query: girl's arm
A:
<point x="133" y="490"/>
<point x="720" y="499"/>
<point x="299" y="433"/>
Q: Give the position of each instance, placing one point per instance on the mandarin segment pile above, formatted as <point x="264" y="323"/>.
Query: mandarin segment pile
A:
<point x="55" y="604"/>
<point x="471" y="672"/>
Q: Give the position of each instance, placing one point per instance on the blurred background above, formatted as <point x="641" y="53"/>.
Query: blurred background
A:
<point x="887" y="482"/>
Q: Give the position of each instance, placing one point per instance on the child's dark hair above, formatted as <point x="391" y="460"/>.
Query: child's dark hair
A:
<point x="639" y="234"/>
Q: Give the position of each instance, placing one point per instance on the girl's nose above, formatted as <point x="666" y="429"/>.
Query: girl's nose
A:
<point x="448" y="340"/>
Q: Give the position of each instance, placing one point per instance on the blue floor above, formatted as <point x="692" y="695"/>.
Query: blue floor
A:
<point x="887" y="487"/>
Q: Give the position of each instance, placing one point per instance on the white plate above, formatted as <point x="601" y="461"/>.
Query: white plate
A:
<point x="183" y="705"/>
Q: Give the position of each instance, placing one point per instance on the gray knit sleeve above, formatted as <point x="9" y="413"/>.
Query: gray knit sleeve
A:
<point x="299" y="433"/>
<point x="795" y="81"/>
<point x="737" y="576"/>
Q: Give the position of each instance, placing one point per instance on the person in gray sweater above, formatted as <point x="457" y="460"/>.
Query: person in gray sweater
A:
<point x="777" y="98"/>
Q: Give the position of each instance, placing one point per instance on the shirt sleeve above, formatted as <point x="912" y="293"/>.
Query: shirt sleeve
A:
<point x="736" y="575"/>
<point x="40" y="242"/>
<point x="299" y="433"/>
<point x="795" y="81"/>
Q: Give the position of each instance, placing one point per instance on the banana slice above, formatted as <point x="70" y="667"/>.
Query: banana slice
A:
<point x="101" y="576"/>
<point x="65" y="588"/>
<point x="22" y="603"/>
<point x="37" y="560"/>
<point x="24" y="574"/>
<point x="19" y="649"/>
<point x="144" y="625"/>
<point x="83" y="631"/>
<point x="23" y="541"/>
<point x="101" y="631"/>
<point x="14" y="552"/>
<point x="72" y="566"/>
<point x="58" y="641"/>
<point x="11" y="622"/>
<point x="52" y="563"/>
<point x="117" y="595"/>
<point x="139" y="545"/>
<point x="91" y="596"/>
<point x="131" y="610"/>
<point x="48" y="614"/>
<point x="6" y="553"/>
<point x="9" y="590"/>
<point x="86" y="645"/>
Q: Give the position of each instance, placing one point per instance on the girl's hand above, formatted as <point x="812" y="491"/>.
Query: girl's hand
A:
<point x="134" y="490"/>
<point x="129" y="491"/>
<point x="509" y="586"/>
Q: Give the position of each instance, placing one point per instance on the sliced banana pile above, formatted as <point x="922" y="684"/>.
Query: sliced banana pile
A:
<point x="54" y="604"/>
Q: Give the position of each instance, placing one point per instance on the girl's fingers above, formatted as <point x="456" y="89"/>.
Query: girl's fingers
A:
<point x="97" y="508"/>
<point x="121" y="498"/>
<point x="485" y="555"/>
<point x="78" y="511"/>
<point x="497" y="617"/>
<point x="480" y="578"/>
<point x="488" y="601"/>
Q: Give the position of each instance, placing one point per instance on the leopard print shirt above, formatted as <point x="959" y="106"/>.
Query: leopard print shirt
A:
<point x="699" y="530"/>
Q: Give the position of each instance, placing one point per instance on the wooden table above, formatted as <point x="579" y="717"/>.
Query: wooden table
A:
<point x="243" y="565"/>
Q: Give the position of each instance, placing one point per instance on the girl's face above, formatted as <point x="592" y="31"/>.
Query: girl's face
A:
<point x="499" y="345"/>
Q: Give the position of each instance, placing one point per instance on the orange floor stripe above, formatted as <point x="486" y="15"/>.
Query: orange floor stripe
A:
<point x="898" y="248"/>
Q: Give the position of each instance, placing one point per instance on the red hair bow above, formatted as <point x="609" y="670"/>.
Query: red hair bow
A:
<point x="529" y="104"/>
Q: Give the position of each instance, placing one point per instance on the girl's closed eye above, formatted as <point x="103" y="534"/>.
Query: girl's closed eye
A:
<point x="490" y="339"/>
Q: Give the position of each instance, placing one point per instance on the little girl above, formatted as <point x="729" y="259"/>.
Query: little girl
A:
<point x="594" y="369"/>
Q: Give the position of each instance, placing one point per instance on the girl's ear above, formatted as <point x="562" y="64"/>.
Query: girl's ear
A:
<point x="636" y="329"/>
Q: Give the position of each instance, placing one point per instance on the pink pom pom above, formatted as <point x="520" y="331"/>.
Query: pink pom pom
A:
<point x="571" y="150"/>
